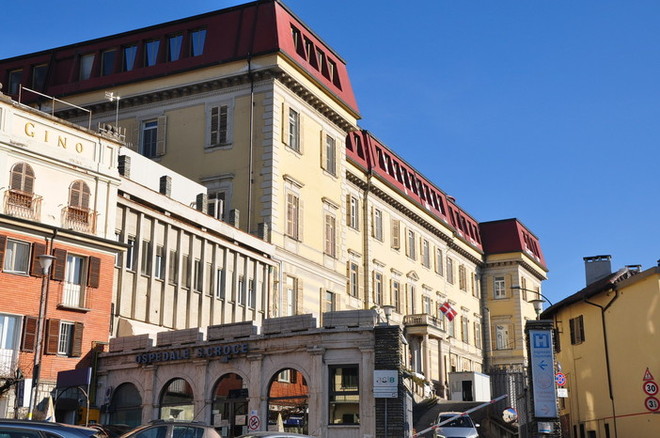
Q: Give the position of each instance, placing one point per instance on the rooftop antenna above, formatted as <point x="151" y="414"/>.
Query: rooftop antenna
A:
<point x="110" y="95"/>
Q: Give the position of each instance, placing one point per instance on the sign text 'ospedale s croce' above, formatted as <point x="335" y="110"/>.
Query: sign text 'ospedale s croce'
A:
<point x="217" y="351"/>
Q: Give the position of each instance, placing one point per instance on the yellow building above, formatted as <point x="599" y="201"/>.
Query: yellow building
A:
<point x="249" y="102"/>
<point x="608" y="348"/>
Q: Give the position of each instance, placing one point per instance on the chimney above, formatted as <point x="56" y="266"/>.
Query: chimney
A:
<point x="597" y="267"/>
<point x="165" y="186"/>
<point x="124" y="166"/>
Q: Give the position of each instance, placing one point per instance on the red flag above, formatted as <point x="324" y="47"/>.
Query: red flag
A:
<point x="448" y="311"/>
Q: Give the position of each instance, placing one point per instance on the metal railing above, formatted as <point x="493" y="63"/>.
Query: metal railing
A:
<point x="23" y="205"/>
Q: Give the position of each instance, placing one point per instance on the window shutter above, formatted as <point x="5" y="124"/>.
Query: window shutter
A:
<point x="94" y="272"/>
<point x="348" y="210"/>
<point x="285" y="123"/>
<point x="59" y="264"/>
<point x="214" y="126"/>
<point x="17" y="177"/>
<point x="35" y="268"/>
<point x="396" y="234"/>
<point x="324" y="152"/>
<point x="29" y="339"/>
<point x="76" y="346"/>
<point x="294" y="375"/>
<point x="299" y="297"/>
<point x="348" y="278"/>
<point x="3" y="243"/>
<point x="361" y="274"/>
<point x="161" y="136"/>
<point x="52" y="336"/>
<point x="300" y="220"/>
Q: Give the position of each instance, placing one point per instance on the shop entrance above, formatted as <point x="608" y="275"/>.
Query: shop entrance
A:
<point x="230" y="406"/>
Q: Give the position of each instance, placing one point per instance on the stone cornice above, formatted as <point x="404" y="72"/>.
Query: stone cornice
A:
<point x="529" y="268"/>
<point x="271" y="73"/>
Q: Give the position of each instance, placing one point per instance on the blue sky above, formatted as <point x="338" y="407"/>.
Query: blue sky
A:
<point x="542" y="110"/>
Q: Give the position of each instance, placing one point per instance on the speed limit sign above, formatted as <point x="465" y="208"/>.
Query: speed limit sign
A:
<point x="652" y="404"/>
<point x="650" y="388"/>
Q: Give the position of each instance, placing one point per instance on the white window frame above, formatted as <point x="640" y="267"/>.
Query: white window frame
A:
<point x="330" y="154"/>
<point x="411" y="251"/>
<point x="214" y="138"/>
<point x="502" y="337"/>
<point x="16" y="263"/>
<point x="293" y="215"/>
<point x="149" y="131"/>
<point x="75" y="280"/>
<point x="378" y="287"/>
<point x="354" y="213"/>
<point x="499" y="288"/>
<point x="293" y="119"/>
<point x="330" y="235"/>
<point x="378" y="224"/>
<point x="65" y="341"/>
<point x="426" y="253"/>
<point x="354" y="280"/>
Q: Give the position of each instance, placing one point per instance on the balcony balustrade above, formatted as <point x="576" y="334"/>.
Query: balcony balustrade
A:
<point x="79" y="219"/>
<point x="23" y="205"/>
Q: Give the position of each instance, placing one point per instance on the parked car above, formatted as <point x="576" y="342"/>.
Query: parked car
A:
<point x="456" y="425"/>
<point x="42" y="429"/>
<point x="264" y="434"/>
<point x="112" y="430"/>
<point x="172" y="429"/>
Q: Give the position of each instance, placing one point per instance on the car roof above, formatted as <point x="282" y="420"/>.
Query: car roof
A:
<point x="271" y="434"/>
<point x="57" y="428"/>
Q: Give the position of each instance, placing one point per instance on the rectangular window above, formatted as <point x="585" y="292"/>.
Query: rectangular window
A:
<point x="577" y="330"/>
<point x="465" y="334"/>
<point x="353" y="279"/>
<point x="39" y="73"/>
<point x="396" y="296"/>
<point x="219" y="124"/>
<point x="73" y="293"/>
<point x="15" y="79"/>
<point x="426" y="254"/>
<point x="378" y="288"/>
<point x="294" y="130"/>
<point x="216" y="205"/>
<point x="426" y="305"/>
<point x="410" y="305"/>
<point x="159" y="268"/>
<point x="197" y="39"/>
<point x="220" y="284"/>
<point x="17" y="257"/>
<point x="477" y="335"/>
<point x="329" y="302"/>
<point x="502" y="337"/>
<point x="185" y="272"/>
<point x="450" y="270"/>
<point x="65" y="344"/>
<point x="344" y="390"/>
<point x="499" y="290"/>
<point x="174" y="43"/>
<point x="396" y="233"/>
<point x="130" y="254"/>
<point x="151" y="52"/>
<point x="129" y="53"/>
<point x="174" y="267"/>
<point x="199" y="275"/>
<point x="377" y="224"/>
<point x="439" y="263"/>
<point x="330" y="162"/>
<point x="292" y="216"/>
<point x="291" y="303"/>
<point x="451" y="327"/>
<point x="330" y="236"/>
<point x="241" y="291"/>
<point x="108" y="62"/>
<point x="353" y="218"/>
<point x="462" y="278"/>
<point x="86" y="64"/>
<point x="252" y="294"/>
<point x="149" y="143"/>
<point x="410" y="245"/>
<point x="145" y="264"/>
<point x="523" y="288"/>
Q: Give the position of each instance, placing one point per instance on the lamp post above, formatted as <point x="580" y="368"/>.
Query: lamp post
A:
<point x="45" y="260"/>
<point x="536" y="302"/>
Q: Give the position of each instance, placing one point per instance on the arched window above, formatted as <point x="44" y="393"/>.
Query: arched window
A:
<point x="79" y="195"/>
<point x="229" y="401"/>
<point x="126" y="405"/>
<point x="288" y="396"/>
<point x="176" y="401"/>
<point x="22" y="178"/>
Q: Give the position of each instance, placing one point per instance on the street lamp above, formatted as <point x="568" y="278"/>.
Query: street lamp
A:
<point x="45" y="260"/>
<point x="536" y="302"/>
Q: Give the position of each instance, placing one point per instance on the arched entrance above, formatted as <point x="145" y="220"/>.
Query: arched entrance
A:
<point x="176" y="401"/>
<point x="126" y="405"/>
<point x="288" y="396"/>
<point x="230" y="406"/>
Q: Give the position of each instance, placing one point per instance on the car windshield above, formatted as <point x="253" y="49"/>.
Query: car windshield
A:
<point x="456" y="422"/>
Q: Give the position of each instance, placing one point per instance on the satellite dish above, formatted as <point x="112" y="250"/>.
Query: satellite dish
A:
<point x="509" y="415"/>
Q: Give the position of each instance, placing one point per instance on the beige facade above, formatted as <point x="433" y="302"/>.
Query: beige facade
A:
<point x="608" y="351"/>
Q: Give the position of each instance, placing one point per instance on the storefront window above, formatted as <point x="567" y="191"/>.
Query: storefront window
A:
<point x="230" y="406"/>
<point x="126" y="406"/>
<point x="344" y="407"/>
<point x="288" y="395"/>
<point x="176" y="401"/>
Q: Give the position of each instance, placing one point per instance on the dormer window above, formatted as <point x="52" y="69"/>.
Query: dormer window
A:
<point x="197" y="39"/>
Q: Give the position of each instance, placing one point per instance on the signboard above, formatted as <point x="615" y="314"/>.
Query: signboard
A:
<point x="543" y="374"/>
<point x="560" y="379"/>
<point x="386" y="383"/>
<point x="562" y="392"/>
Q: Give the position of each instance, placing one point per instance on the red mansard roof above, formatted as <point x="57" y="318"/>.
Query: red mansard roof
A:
<point x="232" y="34"/>
<point x="509" y="235"/>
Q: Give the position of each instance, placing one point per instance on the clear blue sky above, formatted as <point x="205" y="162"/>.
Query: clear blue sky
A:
<point x="542" y="110"/>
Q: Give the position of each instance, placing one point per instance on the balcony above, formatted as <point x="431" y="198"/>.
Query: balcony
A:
<point x="79" y="219"/>
<point x="424" y="324"/>
<point x="23" y="205"/>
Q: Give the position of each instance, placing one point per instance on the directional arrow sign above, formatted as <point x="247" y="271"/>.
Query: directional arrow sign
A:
<point x="543" y="365"/>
